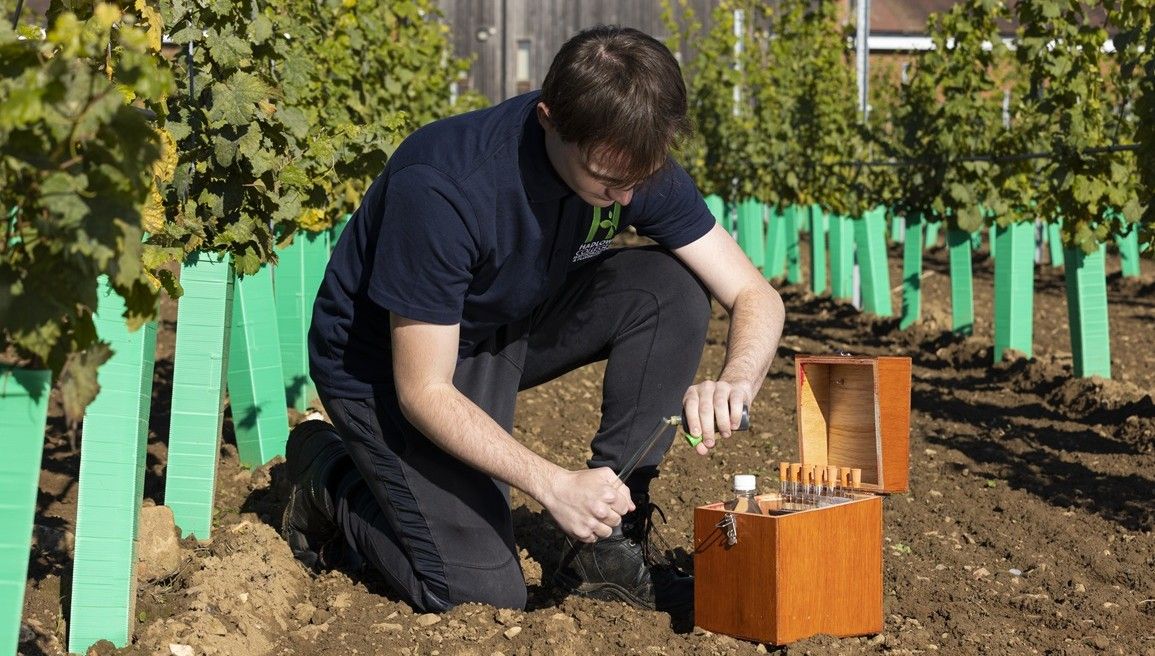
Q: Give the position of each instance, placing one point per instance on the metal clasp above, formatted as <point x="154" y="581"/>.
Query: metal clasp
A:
<point x="730" y="526"/>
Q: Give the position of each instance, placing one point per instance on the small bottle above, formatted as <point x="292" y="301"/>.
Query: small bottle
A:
<point x="745" y="487"/>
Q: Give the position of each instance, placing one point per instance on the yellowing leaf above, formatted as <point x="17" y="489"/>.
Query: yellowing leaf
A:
<point x="152" y="18"/>
<point x="314" y="220"/>
<point x="152" y="214"/>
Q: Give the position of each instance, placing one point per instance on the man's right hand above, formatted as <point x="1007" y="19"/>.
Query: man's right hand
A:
<point x="587" y="504"/>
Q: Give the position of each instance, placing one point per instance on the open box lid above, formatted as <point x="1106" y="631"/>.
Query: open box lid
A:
<point x="855" y="412"/>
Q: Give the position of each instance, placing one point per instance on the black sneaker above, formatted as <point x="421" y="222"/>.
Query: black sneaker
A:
<point x="628" y="567"/>
<point x="308" y="524"/>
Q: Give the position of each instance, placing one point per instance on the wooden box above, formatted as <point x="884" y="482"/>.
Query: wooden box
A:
<point x="818" y="570"/>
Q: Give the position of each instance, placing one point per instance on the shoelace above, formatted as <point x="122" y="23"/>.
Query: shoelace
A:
<point x="648" y="535"/>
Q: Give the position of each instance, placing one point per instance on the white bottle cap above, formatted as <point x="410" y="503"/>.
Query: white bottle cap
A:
<point x="745" y="483"/>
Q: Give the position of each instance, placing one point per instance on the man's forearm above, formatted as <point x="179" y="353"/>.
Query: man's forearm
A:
<point x="756" y="322"/>
<point x="460" y="428"/>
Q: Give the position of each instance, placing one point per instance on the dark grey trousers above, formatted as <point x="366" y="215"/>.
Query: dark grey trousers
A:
<point x="440" y="531"/>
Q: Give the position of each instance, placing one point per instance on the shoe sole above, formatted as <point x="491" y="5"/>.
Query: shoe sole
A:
<point x="601" y="591"/>
<point x="614" y="592"/>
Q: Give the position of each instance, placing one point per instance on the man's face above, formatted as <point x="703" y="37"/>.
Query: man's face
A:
<point x="591" y="182"/>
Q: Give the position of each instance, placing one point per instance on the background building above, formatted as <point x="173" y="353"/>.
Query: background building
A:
<point x="513" y="41"/>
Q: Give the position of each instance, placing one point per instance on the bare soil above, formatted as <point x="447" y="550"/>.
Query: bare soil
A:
<point x="1027" y="528"/>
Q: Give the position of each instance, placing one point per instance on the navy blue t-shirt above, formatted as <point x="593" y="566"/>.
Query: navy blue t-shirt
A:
<point x="469" y="224"/>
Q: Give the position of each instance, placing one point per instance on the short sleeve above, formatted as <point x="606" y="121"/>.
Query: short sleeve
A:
<point x="426" y="249"/>
<point x="670" y="210"/>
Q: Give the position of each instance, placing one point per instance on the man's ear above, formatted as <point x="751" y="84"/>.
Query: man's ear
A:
<point x="543" y="116"/>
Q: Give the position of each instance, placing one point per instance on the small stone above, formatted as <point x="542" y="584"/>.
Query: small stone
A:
<point x="1102" y="643"/>
<point x="939" y="567"/>
<point x="761" y="649"/>
<point x="877" y="640"/>
<point x="158" y="544"/>
<point x="244" y="597"/>
<point x="341" y="601"/>
<point x="386" y="627"/>
<point x="180" y="650"/>
<point x="980" y="573"/>
<point x="512" y="632"/>
<point x="935" y="493"/>
<point x="304" y="612"/>
<point x="505" y="615"/>
<point x="1015" y="572"/>
<point x="1080" y="588"/>
<point x="320" y="616"/>
<point x="428" y="619"/>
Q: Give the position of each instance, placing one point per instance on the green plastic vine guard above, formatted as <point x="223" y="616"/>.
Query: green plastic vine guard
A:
<point x="337" y="228"/>
<point x="1129" y="252"/>
<point x="23" y="414"/>
<point x="731" y="219"/>
<point x="1014" y="288"/>
<point x="817" y="249"/>
<point x="897" y="229"/>
<point x="775" y="245"/>
<point x="750" y="231"/>
<point x="111" y="482"/>
<point x="911" y="273"/>
<point x="870" y="240"/>
<point x="932" y="229"/>
<point x="841" y="257"/>
<point x="300" y="268"/>
<point x="717" y="207"/>
<point x="199" y="367"/>
<point x="1087" y="311"/>
<point x="256" y="379"/>
<point x="793" y="247"/>
<point x="1055" y="243"/>
<point x="962" y="298"/>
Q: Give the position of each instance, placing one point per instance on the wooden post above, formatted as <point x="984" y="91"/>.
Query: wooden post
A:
<point x="750" y="232"/>
<point x="256" y="379"/>
<point x="23" y="413"/>
<point x="199" y="366"/>
<point x="111" y="483"/>
<point x="775" y="245"/>
<point x="870" y="240"/>
<point x="962" y="298"/>
<point x="817" y="249"/>
<point x="842" y="257"/>
<point x="1014" y="288"/>
<point x="1087" y="311"/>
<point x="912" y="273"/>
<point x="296" y="279"/>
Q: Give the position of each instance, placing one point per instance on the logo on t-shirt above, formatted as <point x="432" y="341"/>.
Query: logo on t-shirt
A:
<point x="602" y="231"/>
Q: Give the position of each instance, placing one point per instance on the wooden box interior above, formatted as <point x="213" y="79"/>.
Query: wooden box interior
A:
<point x="855" y="412"/>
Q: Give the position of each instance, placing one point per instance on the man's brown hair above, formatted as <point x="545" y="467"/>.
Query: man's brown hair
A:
<point x="618" y="94"/>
